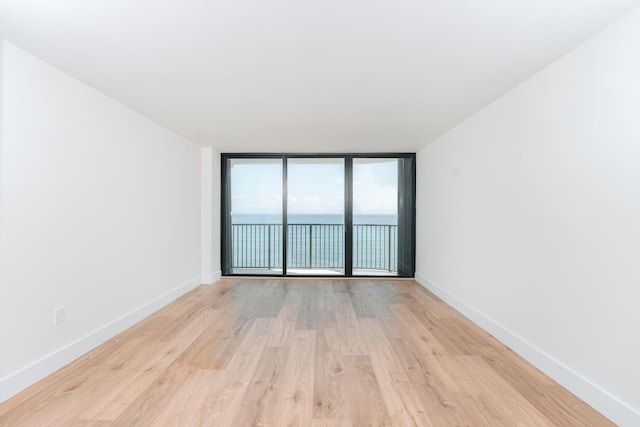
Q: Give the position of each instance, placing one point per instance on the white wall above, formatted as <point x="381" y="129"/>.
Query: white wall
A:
<point x="529" y="219"/>
<point x="217" y="186"/>
<point x="210" y="215"/>
<point x="100" y="213"/>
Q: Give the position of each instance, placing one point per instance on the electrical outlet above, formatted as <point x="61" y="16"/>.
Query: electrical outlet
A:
<point x="59" y="315"/>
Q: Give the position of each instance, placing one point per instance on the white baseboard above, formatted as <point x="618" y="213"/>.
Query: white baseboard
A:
<point x="600" y="399"/>
<point x="18" y="381"/>
<point x="211" y="279"/>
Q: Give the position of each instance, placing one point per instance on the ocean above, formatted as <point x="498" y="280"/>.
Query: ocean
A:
<point x="313" y="219"/>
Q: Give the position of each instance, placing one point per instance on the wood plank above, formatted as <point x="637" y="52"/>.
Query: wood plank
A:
<point x="307" y="316"/>
<point x="329" y="393"/>
<point x="186" y="400"/>
<point x="144" y="410"/>
<point x="349" y="334"/>
<point x="215" y="346"/>
<point x="366" y="404"/>
<point x="293" y="405"/>
<point x="263" y="386"/>
<point x="285" y="322"/>
<point x="331" y="422"/>
<point x="223" y="402"/>
<point x="403" y="406"/>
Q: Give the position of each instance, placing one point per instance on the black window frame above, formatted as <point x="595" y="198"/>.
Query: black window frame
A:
<point x="406" y="214"/>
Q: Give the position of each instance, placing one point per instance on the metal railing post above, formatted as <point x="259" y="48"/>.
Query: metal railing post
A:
<point x="389" y="248"/>
<point x="310" y="245"/>
<point x="269" y="247"/>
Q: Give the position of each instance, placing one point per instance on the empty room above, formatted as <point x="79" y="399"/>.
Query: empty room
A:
<point x="322" y="214"/>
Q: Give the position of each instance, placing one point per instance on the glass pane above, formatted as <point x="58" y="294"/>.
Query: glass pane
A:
<point x="256" y="216"/>
<point x="375" y="216"/>
<point x="315" y="216"/>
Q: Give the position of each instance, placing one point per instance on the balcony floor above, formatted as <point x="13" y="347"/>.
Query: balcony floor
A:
<point x="312" y="272"/>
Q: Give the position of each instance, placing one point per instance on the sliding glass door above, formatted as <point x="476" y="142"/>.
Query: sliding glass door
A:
<point x="254" y="217"/>
<point x="375" y="216"/>
<point x="324" y="215"/>
<point x="315" y="216"/>
<point x="383" y="216"/>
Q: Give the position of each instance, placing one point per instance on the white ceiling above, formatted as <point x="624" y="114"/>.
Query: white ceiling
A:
<point x="303" y="75"/>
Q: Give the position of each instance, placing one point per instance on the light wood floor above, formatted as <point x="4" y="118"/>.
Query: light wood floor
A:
<point x="301" y="353"/>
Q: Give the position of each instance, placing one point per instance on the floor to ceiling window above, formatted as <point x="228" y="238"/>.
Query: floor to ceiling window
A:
<point x="315" y="216"/>
<point x="375" y="216"/>
<point x="255" y="229"/>
<point x="318" y="215"/>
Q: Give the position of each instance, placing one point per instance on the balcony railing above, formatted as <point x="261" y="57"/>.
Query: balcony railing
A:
<point x="314" y="246"/>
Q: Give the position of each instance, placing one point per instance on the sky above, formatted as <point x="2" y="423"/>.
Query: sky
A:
<point x="315" y="186"/>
